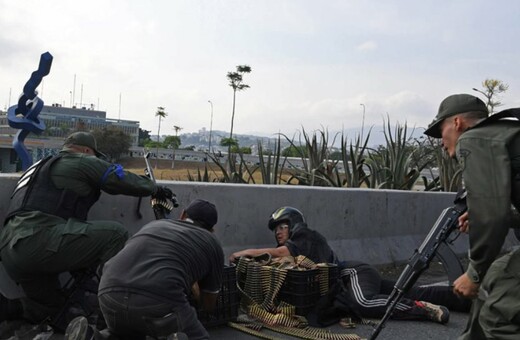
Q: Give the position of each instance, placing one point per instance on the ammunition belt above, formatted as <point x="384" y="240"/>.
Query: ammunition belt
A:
<point x="259" y="285"/>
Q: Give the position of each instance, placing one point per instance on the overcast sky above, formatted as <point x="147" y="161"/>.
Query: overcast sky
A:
<point x="313" y="62"/>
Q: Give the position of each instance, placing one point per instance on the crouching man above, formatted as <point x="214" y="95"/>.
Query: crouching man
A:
<point x="144" y="289"/>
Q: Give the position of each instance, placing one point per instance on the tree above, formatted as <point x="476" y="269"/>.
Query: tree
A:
<point x="112" y="141"/>
<point x="236" y="82"/>
<point x="245" y="150"/>
<point x="229" y="142"/>
<point x="492" y="88"/>
<point x="295" y="151"/>
<point x="177" y="129"/>
<point x="144" y="136"/>
<point x="161" y="114"/>
<point x="171" y="141"/>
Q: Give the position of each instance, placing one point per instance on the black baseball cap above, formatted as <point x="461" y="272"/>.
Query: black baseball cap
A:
<point x="203" y="213"/>
<point x="84" y="139"/>
<point x="451" y="106"/>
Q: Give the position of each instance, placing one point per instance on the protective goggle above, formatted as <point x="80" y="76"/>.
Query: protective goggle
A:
<point x="281" y="227"/>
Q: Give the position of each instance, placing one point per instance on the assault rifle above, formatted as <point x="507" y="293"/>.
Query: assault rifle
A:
<point x="447" y="222"/>
<point x="161" y="208"/>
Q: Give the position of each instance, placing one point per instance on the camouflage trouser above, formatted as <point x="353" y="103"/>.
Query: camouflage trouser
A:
<point x="495" y="314"/>
<point x="36" y="261"/>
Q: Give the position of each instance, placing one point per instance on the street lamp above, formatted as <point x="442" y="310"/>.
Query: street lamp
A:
<point x="210" y="125"/>
<point x="363" y="122"/>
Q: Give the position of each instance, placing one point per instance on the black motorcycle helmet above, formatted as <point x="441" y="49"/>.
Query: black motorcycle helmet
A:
<point x="290" y="215"/>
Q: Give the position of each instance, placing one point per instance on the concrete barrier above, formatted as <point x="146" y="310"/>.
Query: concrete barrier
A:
<point x="375" y="226"/>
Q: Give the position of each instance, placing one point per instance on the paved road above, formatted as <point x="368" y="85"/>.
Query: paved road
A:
<point x="394" y="330"/>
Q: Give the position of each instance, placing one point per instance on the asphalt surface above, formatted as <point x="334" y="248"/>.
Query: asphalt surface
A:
<point x="394" y="330"/>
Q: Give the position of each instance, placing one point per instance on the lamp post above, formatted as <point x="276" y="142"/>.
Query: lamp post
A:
<point x="363" y="122"/>
<point x="210" y="125"/>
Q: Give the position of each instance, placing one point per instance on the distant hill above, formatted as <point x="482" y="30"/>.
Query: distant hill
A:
<point x="200" y="140"/>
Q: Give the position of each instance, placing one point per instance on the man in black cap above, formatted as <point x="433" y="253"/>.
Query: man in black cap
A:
<point x="46" y="231"/>
<point x="144" y="289"/>
<point x="488" y="151"/>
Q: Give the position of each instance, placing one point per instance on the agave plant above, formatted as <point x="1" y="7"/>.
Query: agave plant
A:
<point x="271" y="169"/>
<point x="450" y="173"/>
<point x="318" y="168"/>
<point x="201" y="177"/>
<point x="240" y="173"/>
<point x="354" y="161"/>
<point x="391" y="166"/>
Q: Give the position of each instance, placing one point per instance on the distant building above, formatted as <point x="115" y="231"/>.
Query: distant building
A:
<point x="59" y="122"/>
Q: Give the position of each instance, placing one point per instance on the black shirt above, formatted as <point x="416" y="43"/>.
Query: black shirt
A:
<point x="310" y="243"/>
<point x="165" y="258"/>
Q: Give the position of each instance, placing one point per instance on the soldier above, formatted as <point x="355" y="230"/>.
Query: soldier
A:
<point x="46" y="230"/>
<point x="488" y="151"/>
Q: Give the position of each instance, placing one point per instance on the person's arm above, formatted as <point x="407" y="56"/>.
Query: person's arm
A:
<point x="486" y="171"/>
<point x="274" y="252"/>
<point x="114" y="179"/>
<point x="208" y="301"/>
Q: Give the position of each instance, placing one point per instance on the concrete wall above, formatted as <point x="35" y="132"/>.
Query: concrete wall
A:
<point x="375" y="226"/>
<point x="5" y="161"/>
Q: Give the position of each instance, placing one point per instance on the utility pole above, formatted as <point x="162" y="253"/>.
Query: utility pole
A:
<point x="363" y="122"/>
<point x="210" y="125"/>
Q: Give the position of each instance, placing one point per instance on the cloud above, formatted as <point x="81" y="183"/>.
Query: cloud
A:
<point x="367" y="46"/>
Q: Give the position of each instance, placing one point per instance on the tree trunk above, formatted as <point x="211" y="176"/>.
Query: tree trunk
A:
<point x="232" y="115"/>
<point x="157" y="148"/>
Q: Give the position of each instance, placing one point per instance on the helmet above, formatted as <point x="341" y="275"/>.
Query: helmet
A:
<point x="286" y="214"/>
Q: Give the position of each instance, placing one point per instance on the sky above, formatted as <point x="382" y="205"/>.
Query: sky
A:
<point x="315" y="64"/>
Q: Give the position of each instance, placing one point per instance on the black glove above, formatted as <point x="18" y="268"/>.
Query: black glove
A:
<point x="163" y="193"/>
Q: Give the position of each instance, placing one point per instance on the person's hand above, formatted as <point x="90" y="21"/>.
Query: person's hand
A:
<point x="163" y="193"/>
<point x="464" y="287"/>
<point x="195" y="291"/>
<point x="464" y="223"/>
<point x="235" y="256"/>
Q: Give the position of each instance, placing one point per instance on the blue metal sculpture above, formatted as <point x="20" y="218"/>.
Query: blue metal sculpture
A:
<point x="24" y="116"/>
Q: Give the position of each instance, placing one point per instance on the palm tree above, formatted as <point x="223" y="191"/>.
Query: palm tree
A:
<point x="235" y="81"/>
<point x="161" y="114"/>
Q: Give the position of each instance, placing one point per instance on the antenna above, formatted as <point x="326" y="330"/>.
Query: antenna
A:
<point x="74" y="92"/>
<point x="81" y="96"/>
<point x="119" y="118"/>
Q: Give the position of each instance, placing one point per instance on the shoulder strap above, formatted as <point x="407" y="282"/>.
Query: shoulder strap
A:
<point x="509" y="113"/>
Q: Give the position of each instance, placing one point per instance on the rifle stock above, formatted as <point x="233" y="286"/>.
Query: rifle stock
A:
<point x="447" y="222"/>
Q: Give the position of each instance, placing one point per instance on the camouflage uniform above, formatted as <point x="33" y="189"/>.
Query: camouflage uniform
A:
<point x="37" y="246"/>
<point x="490" y="157"/>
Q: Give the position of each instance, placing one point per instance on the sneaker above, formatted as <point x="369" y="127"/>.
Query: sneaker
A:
<point x="435" y="313"/>
<point x="79" y="329"/>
